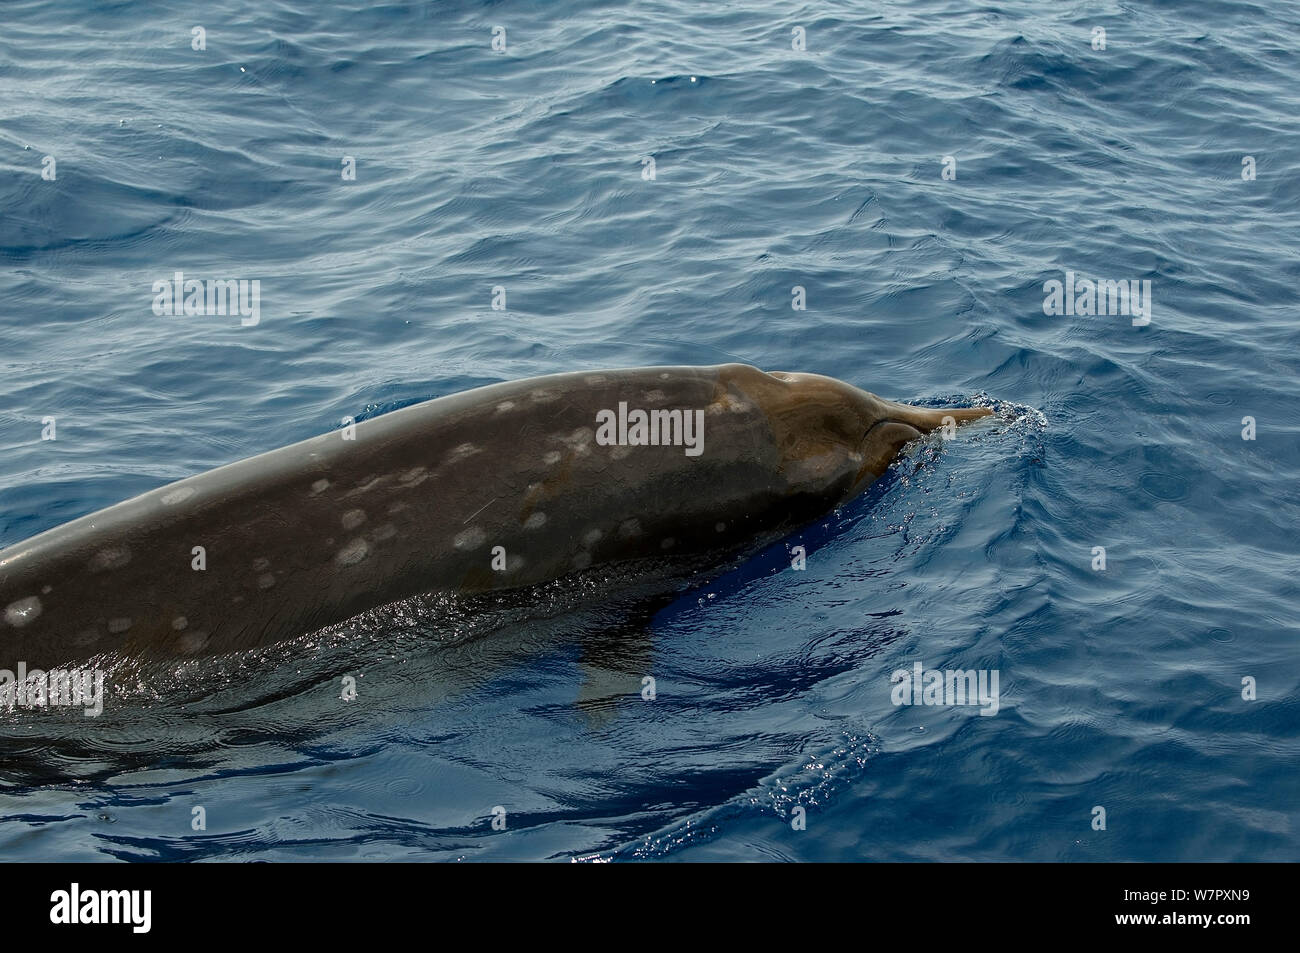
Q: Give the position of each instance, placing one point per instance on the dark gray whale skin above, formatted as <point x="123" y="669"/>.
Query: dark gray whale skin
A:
<point x="317" y="532"/>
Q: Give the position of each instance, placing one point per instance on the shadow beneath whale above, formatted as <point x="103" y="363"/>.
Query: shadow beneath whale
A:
<point x="270" y="708"/>
<point x="164" y="719"/>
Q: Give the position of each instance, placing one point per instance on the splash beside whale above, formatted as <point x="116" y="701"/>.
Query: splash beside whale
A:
<point x="501" y="487"/>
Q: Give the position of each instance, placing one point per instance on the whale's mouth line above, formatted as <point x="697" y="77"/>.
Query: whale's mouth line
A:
<point x="892" y="420"/>
<point x="868" y="472"/>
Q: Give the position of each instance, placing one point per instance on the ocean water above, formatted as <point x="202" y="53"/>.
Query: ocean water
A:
<point x="772" y="734"/>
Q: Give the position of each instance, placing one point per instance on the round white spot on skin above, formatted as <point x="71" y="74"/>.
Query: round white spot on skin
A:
<point x="86" y="637"/>
<point x="381" y="533"/>
<point x="543" y="396"/>
<point x="582" y="560"/>
<point x="664" y="377"/>
<point x="720" y="527"/>
<point x="265" y="581"/>
<point x="593" y="537"/>
<point x="237" y="600"/>
<point x="180" y="623"/>
<point x="551" y="457"/>
<point x="667" y="543"/>
<point x="536" y="521"/>
<point x="192" y="642"/>
<point x="397" y="508"/>
<point x="115" y="557"/>
<point x="22" y="611"/>
<point x="352" y="553"/>
<point x="320" y="486"/>
<point x="620" y="452"/>
<point x="46" y="590"/>
<point x="414" y="476"/>
<point x="594" y="380"/>
<point x="118" y="626"/>
<point x="471" y="538"/>
<point x="353" y="518"/>
<point x="505" y="405"/>
<point x="629" y="528"/>
<point x="261" y="564"/>
<point x="655" y="397"/>
<point x="178" y="495"/>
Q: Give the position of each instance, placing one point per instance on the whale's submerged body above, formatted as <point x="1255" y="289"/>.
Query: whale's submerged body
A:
<point x="500" y="487"/>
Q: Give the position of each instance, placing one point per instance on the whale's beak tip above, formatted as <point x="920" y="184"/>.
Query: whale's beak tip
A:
<point x="960" y="415"/>
<point x="928" y="419"/>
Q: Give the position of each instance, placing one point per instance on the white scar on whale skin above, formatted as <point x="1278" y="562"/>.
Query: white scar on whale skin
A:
<point x="115" y="557"/>
<point x="728" y="402"/>
<point x="178" y="495"/>
<point x="578" y="442"/>
<point x="22" y="611"/>
<point x="192" y="642"/>
<point x="368" y="484"/>
<point x="480" y="510"/>
<point x="472" y="538"/>
<point x="352" y="553"/>
<point x="414" y="476"/>
<point x="461" y="452"/>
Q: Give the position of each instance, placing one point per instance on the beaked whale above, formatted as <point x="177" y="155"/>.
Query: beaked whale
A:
<point x="500" y="487"/>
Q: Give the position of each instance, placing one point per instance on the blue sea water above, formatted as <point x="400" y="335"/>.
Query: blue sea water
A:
<point x="1121" y="688"/>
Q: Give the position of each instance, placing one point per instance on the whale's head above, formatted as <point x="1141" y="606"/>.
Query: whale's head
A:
<point x="836" y="439"/>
